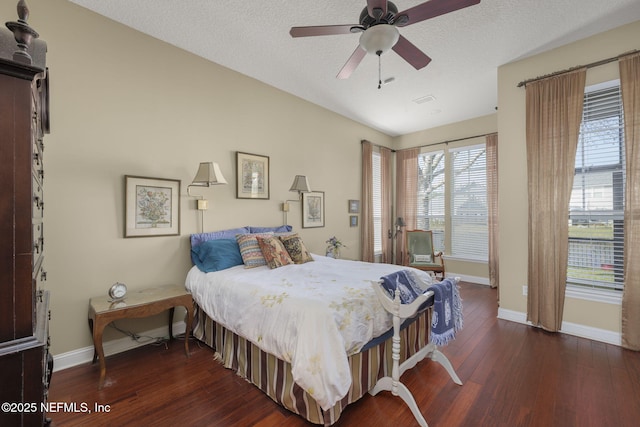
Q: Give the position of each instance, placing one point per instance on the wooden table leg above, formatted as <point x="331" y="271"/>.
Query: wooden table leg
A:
<point x="95" y="354"/>
<point x="187" y="332"/>
<point x="98" y="329"/>
<point x="171" y="310"/>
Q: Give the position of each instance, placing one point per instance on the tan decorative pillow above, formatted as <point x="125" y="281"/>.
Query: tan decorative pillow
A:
<point x="274" y="252"/>
<point x="296" y="248"/>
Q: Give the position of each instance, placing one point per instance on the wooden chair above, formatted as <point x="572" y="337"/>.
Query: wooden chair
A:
<point x="420" y="254"/>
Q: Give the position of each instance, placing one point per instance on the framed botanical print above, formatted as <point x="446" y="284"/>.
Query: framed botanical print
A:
<point x="152" y="207"/>
<point x="252" y="176"/>
<point x="313" y="209"/>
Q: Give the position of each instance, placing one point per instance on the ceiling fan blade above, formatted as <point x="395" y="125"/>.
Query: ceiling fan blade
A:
<point x="321" y="30"/>
<point x="376" y="4"/>
<point x="431" y="9"/>
<point x="352" y="63"/>
<point x="411" y="53"/>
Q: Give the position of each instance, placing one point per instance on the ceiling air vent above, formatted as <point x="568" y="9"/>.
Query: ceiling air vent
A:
<point x="424" y="99"/>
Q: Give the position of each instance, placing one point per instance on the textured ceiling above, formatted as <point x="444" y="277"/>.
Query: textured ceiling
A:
<point x="467" y="47"/>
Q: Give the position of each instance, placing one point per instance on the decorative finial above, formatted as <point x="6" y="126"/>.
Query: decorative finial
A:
<point x="23" y="33"/>
<point x="23" y="11"/>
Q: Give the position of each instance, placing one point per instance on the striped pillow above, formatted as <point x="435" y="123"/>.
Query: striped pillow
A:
<point x="250" y="250"/>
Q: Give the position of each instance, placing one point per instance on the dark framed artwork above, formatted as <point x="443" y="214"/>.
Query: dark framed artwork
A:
<point x="252" y="176"/>
<point x="353" y="221"/>
<point x="152" y="207"/>
<point x="354" y="206"/>
<point x="313" y="209"/>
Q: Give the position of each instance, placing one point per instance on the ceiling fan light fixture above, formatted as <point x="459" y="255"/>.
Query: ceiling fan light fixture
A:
<point x="378" y="39"/>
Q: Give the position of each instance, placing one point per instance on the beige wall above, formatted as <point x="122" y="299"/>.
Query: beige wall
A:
<point x="513" y="166"/>
<point x="123" y="103"/>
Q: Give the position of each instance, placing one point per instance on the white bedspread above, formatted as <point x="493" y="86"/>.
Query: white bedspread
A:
<point x="311" y="315"/>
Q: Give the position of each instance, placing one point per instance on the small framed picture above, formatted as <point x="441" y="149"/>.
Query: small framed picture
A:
<point x="252" y="176"/>
<point x="313" y="209"/>
<point x="354" y="206"/>
<point x="353" y="221"/>
<point x="152" y="207"/>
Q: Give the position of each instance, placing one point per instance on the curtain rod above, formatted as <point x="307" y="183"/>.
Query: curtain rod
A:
<point x="568" y="70"/>
<point x="451" y="140"/>
<point x="436" y="143"/>
<point x="362" y="141"/>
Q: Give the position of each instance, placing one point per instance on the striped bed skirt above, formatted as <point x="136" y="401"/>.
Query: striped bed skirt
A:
<point x="273" y="376"/>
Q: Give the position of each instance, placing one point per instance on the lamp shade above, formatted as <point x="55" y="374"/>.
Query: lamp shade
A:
<point x="208" y="174"/>
<point x="379" y="38"/>
<point x="300" y="184"/>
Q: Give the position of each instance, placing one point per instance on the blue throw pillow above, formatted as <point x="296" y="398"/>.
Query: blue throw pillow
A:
<point x="278" y="229"/>
<point x="199" y="238"/>
<point x="216" y="255"/>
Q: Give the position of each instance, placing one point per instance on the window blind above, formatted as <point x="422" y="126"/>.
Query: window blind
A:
<point x="596" y="209"/>
<point x="377" y="203"/>
<point x="468" y="206"/>
<point x="430" y="209"/>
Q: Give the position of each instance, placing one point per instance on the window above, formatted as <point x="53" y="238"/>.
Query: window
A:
<point x="377" y="203"/>
<point x="468" y="205"/>
<point x="464" y="172"/>
<point x="431" y="196"/>
<point x="596" y="209"/>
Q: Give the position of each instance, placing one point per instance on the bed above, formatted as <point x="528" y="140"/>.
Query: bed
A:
<point x="313" y="335"/>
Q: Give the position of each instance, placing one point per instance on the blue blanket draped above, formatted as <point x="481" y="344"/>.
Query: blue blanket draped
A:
<point x="447" y="304"/>
<point x="405" y="282"/>
<point x="447" y="312"/>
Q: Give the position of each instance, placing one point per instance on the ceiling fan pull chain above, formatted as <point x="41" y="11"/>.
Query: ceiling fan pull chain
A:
<point x="379" y="69"/>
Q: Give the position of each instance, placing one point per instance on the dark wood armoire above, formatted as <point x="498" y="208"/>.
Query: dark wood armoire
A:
<point x="25" y="362"/>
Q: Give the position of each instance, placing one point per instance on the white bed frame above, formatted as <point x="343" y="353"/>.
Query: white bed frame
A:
<point x="400" y="312"/>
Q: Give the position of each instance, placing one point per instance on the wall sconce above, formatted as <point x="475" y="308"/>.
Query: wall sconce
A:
<point x="208" y="174"/>
<point x="301" y="185"/>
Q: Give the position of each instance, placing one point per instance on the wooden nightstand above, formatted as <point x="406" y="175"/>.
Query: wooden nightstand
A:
<point x="140" y="303"/>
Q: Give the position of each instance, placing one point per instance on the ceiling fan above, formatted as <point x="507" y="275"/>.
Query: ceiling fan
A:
<point x="378" y="24"/>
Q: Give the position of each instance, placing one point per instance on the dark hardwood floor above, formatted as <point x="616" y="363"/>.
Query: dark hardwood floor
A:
<point x="513" y="375"/>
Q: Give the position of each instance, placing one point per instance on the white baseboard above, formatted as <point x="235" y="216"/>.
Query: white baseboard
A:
<point x="85" y="355"/>
<point x="569" y="328"/>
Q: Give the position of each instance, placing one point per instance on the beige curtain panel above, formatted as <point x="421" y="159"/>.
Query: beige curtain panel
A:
<point x="385" y="184"/>
<point x="630" y="85"/>
<point x="554" y="113"/>
<point x="366" y="223"/>
<point x="406" y="195"/>
<point x="492" y="197"/>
